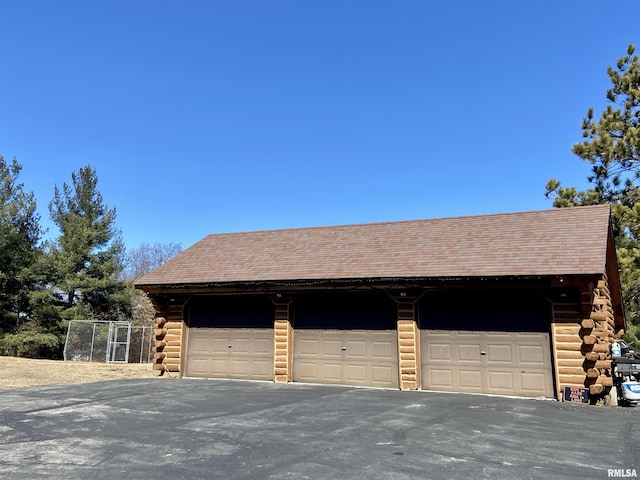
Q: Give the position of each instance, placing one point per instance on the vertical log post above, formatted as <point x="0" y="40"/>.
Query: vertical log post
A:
<point x="408" y="341"/>
<point x="283" y="340"/>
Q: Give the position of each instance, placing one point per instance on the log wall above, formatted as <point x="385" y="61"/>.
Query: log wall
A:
<point x="168" y="333"/>
<point x="581" y="337"/>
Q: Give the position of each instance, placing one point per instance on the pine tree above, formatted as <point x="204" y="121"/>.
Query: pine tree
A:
<point x="612" y="146"/>
<point x="19" y="237"/>
<point x="87" y="258"/>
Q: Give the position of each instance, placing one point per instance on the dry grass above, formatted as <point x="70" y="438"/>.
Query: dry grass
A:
<point x="26" y="372"/>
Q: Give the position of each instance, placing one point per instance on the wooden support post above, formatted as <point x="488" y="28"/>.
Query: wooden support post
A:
<point x="409" y="360"/>
<point x="283" y="340"/>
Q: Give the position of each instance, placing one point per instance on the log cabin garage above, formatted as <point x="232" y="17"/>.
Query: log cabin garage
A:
<point x="515" y="304"/>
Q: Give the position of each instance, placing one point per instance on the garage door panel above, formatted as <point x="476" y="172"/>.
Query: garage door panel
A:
<point x="309" y="347"/>
<point x="470" y="380"/>
<point x="382" y="376"/>
<point x="532" y="355"/>
<point x="200" y="346"/>
<point x="331" y="348"/>
<point x="199" y="366"/>
<point x="230" y="353"/>
<point x="502" y="381"/>
<point x="468" y="353"/>
<point x="381" y="350"/>
<point x="306" y="371"/>
<point x="240" y="346"/>
<point x="356" y="374"/>
<point x="532" y="382"/>
<point x="261" y="369"/>
<point x="500" y="354"/>
<point x="216" y="368"/>
<point x="218" y="345"/>
<point x="439" y="351"/>
<point x="441" y="379"/>
<point x="331" y="373"/>
<point x="357" y="349"/>
<point x="512" y="363"/>
<point x="262" y="346"/>
<point x="239" y="368"/>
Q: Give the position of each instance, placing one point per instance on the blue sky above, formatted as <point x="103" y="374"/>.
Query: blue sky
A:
<point x="215" y="116"/>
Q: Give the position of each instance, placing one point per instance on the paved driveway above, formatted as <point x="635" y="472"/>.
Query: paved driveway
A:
<point x="197" y="429"/>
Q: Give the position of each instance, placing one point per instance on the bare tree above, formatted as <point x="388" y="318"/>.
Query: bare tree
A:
<point x="147" y="257"/>
<point x="138" y="262"/>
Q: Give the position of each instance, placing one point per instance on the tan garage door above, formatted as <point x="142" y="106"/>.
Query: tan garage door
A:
<point x="516" y="363"/>
<point x="245" y="353"/>
<point x="346" y="357"/>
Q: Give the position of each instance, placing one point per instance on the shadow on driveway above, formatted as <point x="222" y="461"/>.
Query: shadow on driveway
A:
<point x="206" y="429"/>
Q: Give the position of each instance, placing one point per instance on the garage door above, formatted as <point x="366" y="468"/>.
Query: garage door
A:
<point x="346" y="338"/>
<point x="230" y="353"/>
<point x="512" y="363"/>
<point x="230" y="337"/>
<point x="486" y="341"/>
<point x="346" y="357"/>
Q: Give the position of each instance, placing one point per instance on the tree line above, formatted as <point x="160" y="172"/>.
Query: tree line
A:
<point x="84" y="273"/>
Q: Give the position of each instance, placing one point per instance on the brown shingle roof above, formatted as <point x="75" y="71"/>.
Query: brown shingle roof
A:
<point x="549" y="242"/>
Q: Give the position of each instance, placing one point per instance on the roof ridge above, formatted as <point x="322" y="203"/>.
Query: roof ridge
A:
<point x="405" y="221"/>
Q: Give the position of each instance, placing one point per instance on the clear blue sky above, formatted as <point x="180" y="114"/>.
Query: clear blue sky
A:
<point x="211" y="116"/>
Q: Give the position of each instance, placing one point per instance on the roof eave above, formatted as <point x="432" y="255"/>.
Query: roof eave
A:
<point x="553" y="280"/>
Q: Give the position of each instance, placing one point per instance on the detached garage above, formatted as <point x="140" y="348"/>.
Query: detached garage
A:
<point x="520" y="304"/>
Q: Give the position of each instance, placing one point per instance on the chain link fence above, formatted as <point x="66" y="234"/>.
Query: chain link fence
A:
<point x="108" y="342"/>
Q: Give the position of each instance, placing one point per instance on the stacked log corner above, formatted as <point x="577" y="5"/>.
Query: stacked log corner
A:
<point x="283" y="344"/>
<point x="408" y="347"/>
<point x="581" y="340"/>
<point x="168" y="336"/>
<point x="598" y="333"/>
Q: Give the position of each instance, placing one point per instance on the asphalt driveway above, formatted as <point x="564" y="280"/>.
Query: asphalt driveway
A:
<point x="201" y="429"/>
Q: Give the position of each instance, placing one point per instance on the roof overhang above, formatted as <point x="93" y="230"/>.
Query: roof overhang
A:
<point x="427" y="283"/>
